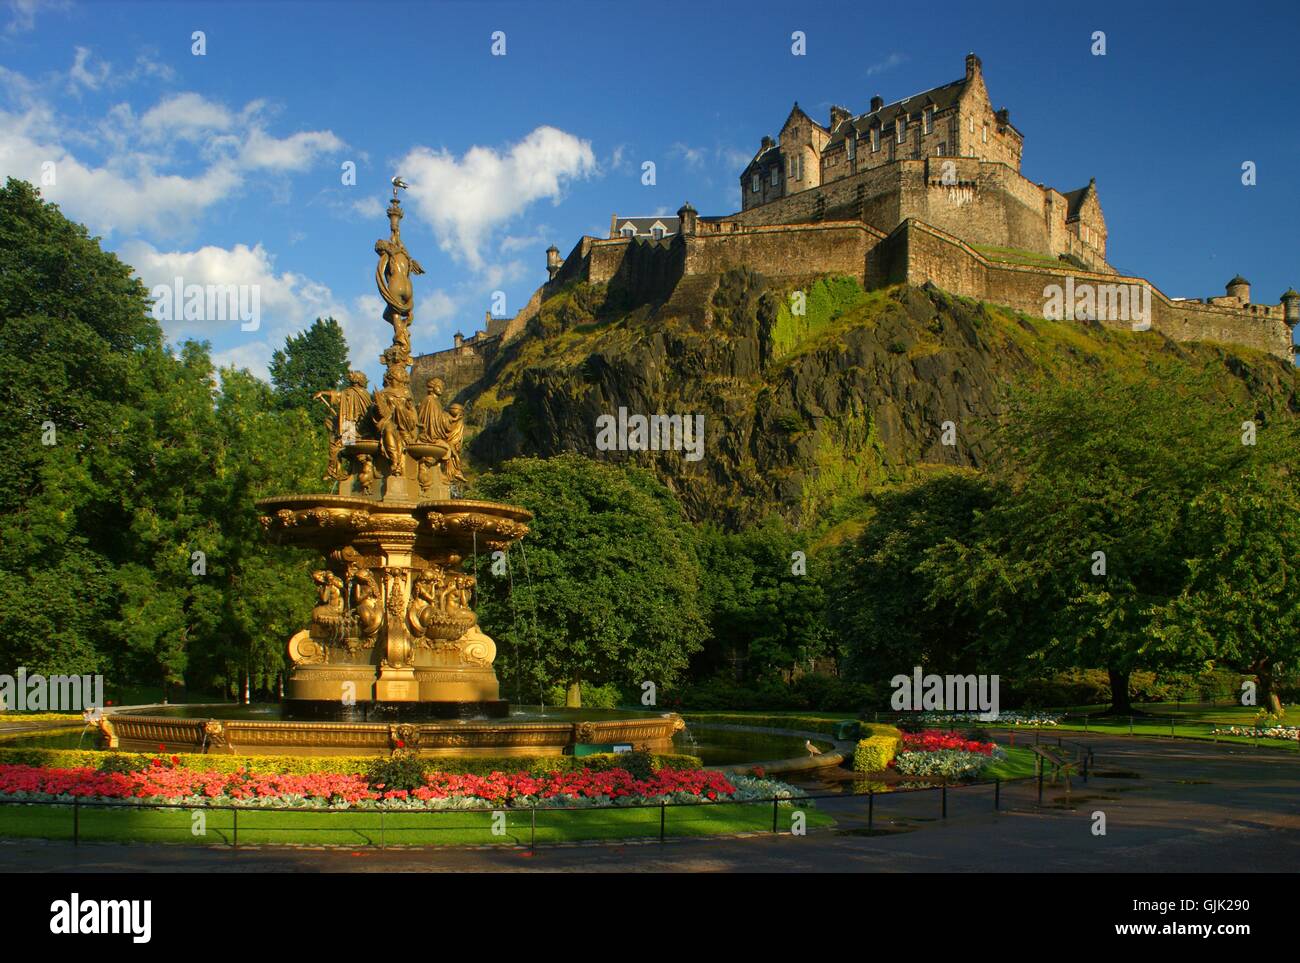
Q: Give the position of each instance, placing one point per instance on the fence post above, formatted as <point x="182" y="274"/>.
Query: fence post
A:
<point x="1171" y="726"/>
<point x="871" y="809"/>
<point x="1040" y="780"/>
<point x="773" y="814"/>
<point x="944" y="794"/>
<point x="1058" y="742"/>
<point x="1086" y="757"/>
<point x="76" y="820"/>
<point x="1130" y="725"/>
<point x="235" y="811"/>
<point x="381" y="829"/>
<point x="532" y="833"/>
<point x="663" y="812"/>
<point x="997" y="794"/>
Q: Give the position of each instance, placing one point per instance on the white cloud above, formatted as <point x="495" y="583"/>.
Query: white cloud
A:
<point x="889" y="63"/>
<point x="86" y="71"/>
<point x="296" y="152"/>
<point x="22" y="13"/>
<point x="466" y="199"/>
<point x="186" y="116"/>
<point x="368" y="207"/>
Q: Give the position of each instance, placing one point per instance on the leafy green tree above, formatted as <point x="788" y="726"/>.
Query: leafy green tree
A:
<point x="1070" y="569"/>
<point x="606" y="586"/>
<point x="1240" y="605"/>
<point x="765" y="603"/>
<point x="310" y="361"/>
<point x="884" y="605"/>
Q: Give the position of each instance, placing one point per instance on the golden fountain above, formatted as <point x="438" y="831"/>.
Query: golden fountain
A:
<point x="394" y="642"/>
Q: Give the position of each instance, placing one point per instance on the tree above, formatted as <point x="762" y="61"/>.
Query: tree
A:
<point x="310" y="361"/>
<point x="1240" y="604"/>
<point x="1073" y="566"/>
<point x="606" y="586"/>
<point x="764" y="603"/>
<point x="885" y="605"/>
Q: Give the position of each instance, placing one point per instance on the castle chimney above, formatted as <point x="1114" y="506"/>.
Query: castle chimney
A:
<point x="838" y="114"/>
<point x="553" y="262"/>
<point x="876" y="103"/>
<point x="972" y="66"/>
<point x="767" y="142"/>
<point x="1239" y="288"/>
<point x="687" y="220"/>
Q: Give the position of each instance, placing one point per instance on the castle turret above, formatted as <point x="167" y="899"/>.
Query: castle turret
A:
<point x="553" y="262"/>
<point x="457" y="339"/>
<point x="1291" y="308"/>
<point x="1239" y="288"/>
<point x="688" y="220"/>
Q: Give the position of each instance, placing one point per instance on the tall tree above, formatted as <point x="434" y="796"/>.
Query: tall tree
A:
<point x="310" y="361"/>
<point x="606" y="586"/>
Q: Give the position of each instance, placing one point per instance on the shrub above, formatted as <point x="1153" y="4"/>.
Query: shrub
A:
<point x="401" y="770"/>
<point x="948" y="763"/>
<point x="593" y="696"/>
<point x="875" y="753"/>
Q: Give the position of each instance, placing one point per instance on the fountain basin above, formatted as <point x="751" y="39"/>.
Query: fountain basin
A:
<point x="202" y="729"/>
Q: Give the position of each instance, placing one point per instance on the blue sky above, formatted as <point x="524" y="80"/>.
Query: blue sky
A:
<point x="226" y="167"/>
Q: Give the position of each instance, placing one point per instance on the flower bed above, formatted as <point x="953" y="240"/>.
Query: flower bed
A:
<point x="1289" y="733"/>
<point x="945" y="754"/>
<point x="1003" y="719"/>
<point x="170" y="783"/>
<point x="931" y="740"/>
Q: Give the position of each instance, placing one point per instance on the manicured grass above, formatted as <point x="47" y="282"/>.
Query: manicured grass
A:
<point x="445" y="828"/>
<point x="1018" y="764"/>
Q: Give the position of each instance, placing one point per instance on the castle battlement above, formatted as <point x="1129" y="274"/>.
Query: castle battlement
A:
<point x="927" y="189"/>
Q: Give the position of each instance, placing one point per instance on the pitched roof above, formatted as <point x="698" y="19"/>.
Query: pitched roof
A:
<point x="1074" y="199"/>
<point x="941" y="97"/>
<point x="644" y="224"/>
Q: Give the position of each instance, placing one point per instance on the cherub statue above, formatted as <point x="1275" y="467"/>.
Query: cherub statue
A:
<point x="395" y="417"/>
<point x="365" y="472"/>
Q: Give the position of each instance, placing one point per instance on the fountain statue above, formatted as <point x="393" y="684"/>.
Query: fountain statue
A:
<point x="395" y="634"/>
<point x="394" y="657"/>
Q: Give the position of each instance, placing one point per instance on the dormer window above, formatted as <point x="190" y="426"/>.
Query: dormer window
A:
<point x="875" y="139"/>
<point x="927" y="120"/>
<point x="628" y="231"/>
<point x="657" y="232"/>
<point x="756" y="183"/>
<point x="901" y="126"/>
<point x="776" y="176"/>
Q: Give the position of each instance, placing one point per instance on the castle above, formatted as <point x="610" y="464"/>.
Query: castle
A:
<point x="924" y="189"/>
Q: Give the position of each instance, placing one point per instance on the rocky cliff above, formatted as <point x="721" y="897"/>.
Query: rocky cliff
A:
<point x="811" y="392"/>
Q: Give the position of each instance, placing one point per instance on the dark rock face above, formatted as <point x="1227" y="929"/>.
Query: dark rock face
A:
<point x="857" y="405"/>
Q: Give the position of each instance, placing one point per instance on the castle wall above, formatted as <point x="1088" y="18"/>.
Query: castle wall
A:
<point x="784" y="251"/>
<point x="917" y="253"/>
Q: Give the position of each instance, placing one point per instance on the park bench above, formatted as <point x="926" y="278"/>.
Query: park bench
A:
<point x="1062" y="765"/>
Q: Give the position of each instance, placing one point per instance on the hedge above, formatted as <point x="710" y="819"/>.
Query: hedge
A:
<point x="476" y="765"/>
<point x="875" y="752"/>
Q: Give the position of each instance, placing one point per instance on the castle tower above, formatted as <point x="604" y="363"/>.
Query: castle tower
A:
<point x="1239" y="288"/>
<point x="1291" y="308"/>
<point x="553" y="262"/>
<point x="688" y="219"/>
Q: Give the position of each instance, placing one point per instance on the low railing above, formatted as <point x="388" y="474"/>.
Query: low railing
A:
<point x="430" y="818"/>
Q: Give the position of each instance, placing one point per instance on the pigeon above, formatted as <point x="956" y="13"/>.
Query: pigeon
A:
<point x="812" y="750"/>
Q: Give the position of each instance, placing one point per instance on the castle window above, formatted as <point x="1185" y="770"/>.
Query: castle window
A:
<point x="901" y="126"/>
<point x="776" y="176"/>
<point x="941" y="150"/>
<point x="850" y="147"/>
<point x="629" y="232"/>
<point x="796" y="168"/>
<point x="755" y="183"/>
<point x="927" y="120"/>
<point x="658" y="232"/>
<point x="970" y="125"/>
<point x="986" y="133"/>
<point x="875" y="139"/>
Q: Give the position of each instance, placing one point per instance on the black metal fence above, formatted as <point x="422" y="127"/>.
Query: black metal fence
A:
<point x="379" y="825"/>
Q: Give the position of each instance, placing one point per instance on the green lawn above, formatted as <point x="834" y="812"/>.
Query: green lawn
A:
<point x="1020" y="762"/>
<point x="448" y="828"/>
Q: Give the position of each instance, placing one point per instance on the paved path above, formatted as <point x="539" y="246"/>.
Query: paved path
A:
<point x="1196" y="807"/>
